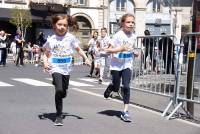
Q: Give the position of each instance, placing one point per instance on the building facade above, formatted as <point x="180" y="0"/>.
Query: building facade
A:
<point x="156" y="15"/>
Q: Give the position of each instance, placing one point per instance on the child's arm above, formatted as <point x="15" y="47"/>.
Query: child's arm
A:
<point x="121" y="48"/>
<point x="47" y="65"/>
<point x="83" y="55"/>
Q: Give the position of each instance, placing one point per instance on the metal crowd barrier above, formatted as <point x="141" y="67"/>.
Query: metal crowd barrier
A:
<point x="188" y="77"/>
<point x="169" y="69"/>
<point x="154" y="69"/>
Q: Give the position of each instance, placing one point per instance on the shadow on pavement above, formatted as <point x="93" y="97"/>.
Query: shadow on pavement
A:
<point x="111" y="113"/>
<point x="52" y="116"/>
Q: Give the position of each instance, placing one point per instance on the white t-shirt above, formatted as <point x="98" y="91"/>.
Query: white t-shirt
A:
<point x="61" y="49"/>
<point x="96" y="53"/>
<point x="92" y="44"/>
<point x="13" y="47"/>
<point x="122" y="60"/>
<point x="104" y="43"/>
<point x="2" y="41"/>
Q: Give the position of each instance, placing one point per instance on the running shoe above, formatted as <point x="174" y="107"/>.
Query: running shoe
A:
<point x="100" y="81"/>
<point x="125" y="117"/>
<point x="58" y="121"/>
<point x="108" y="91"/>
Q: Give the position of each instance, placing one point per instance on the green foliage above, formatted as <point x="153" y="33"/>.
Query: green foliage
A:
<point x="21" y="18"/>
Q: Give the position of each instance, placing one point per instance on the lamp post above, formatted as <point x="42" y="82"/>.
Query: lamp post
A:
<point x="103" y="16"/>
<point x="103" y="13"/>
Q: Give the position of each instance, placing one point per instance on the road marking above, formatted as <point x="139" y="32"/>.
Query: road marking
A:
<point x="134" y="106"/>
<point x="75" y="83"/>
<point x="79" y="84"/>
<point x="32" y="82"/>
<point x="94" y="81"/>
<point x="3" y="84"/>
<point x="49" y="79"/>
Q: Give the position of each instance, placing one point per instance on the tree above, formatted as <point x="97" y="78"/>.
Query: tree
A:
<point x="21" y="18"/>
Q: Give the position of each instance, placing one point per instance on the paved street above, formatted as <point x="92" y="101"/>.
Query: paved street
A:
<point x="27" y="107"/>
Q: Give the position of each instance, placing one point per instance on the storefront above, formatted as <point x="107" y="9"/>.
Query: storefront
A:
<point x="158" y="23"/>
<point x="40" y="19"/>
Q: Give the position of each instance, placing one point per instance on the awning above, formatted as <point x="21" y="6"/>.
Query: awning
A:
<point x="51" y="8"/>
<point x="5" y="14"/>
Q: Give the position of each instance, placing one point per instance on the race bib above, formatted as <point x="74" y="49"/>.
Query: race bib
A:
<point x="61" y="62"/>
<point x="125" y="55"/>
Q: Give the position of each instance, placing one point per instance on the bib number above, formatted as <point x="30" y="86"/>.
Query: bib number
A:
<point x="61" y="62"/>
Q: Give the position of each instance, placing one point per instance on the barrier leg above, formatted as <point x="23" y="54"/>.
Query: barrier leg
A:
<point x="167" y="108"/>
<point x="177" y="107"/>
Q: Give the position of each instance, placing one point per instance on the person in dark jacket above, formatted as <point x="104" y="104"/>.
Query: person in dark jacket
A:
<point x="166" y="47"/>
<point x="41" y="40"/>
<point x="149" y="45"/>
<point x="19" y="48"/>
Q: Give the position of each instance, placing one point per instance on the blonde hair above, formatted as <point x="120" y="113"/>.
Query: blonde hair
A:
<point x="123" y="18"/>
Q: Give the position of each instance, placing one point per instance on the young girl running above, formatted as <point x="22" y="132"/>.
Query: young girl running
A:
<point x="121" y="61"/>
<point x="91" y="46"/>
<point x="58" y="56"/>
<point x="104" y="41"/>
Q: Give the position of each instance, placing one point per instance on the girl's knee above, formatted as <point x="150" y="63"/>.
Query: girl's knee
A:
<point x="61" y="93"/>
<point x="126" y="90"/>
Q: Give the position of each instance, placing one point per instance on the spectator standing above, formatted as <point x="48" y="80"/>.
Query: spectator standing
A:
<point x="149" y="44"/>
<point x="3" y="47"/>
<point x="36" y="54"/>
<point x="166" y="48"/>
<point x="40" y="40"/>
<point x="13" y="50"/>
<point x="19" y="47"/>
<point x="27" y="52"/>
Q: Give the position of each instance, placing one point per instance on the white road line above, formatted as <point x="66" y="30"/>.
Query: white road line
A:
<point x="79" y="84"/>
<point x="49" y="79"/>
<point x="32" y="82"/>
<point x="132" y="105"/>
<point x="3" y="84"/>
<point x="94" y="81"/>
<point x="75" y="83"/>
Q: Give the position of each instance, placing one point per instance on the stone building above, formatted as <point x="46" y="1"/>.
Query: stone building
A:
<point x="156" y="15"/>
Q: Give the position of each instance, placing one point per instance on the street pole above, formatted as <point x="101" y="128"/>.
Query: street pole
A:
<point x="190" y="105"/>
<point x="103" y="13"/>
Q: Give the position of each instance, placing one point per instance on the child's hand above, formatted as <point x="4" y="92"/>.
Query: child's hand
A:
<point x="126" y="47"/>
<point x="136" y="53"/>
<point x="47" y="66"/>
<point x="87" y="62"/>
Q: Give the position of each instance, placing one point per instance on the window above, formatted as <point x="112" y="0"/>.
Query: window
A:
<point x="15" y="1"/>
<point x="120" y="5"/>
<point x="156" y="5"/>
<point x="80" y="2"/>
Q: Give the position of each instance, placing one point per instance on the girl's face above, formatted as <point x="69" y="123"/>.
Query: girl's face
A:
<point x="61" y="27"/>
<point x="128" y="24"/>
<point x="95" y="35"/>
<point x="103" y="33"/>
